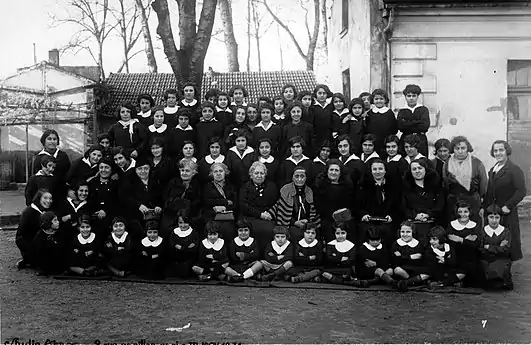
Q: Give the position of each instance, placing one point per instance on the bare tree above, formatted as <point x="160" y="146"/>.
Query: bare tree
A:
<point x="249" y="35"/>
<point x="259" y="29"/>
<point x="90" y="18"/>
<point x="325" y="27"/>
<point x="186" y="62"/>
<point x="146" y="33"/>
<point x="128" y="30"/>
<point x="308" y="57"/>
<point x="228" y="32"/>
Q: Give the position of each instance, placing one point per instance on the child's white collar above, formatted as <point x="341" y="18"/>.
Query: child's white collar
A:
<point x="121" y="239"/>
<point x="319" y="160"/>
<point x="278" y="249"/>
<point x="265" y="127"/>
<point x="372" y="155"/>
<point x="412" y="244"/>
<point x="371" y="248"/>
<point x="247" y="151"/>
<point x="419" y="155"/>
<point x="246" y="243"/>
<point x="344" y="111"/>
<point x="188" y="128"/>
<point x="36" y="208"/>
<point x="216" y="245"/>
<point x="54" y="155"/>
<point x="171" y="110"/>
<point x="351" y="158"/>
<point x="161" y="129"/>
<point x="342" y="247"/>
<point x="182" y="233"/>
<point x="147" y="243"/>
<point x="439" y="252"/>
<point x="76" y="208"/>
<point x="327" y="102"/>
<point x="305" y="244"/>
<point x="458" y="226"/>
<point x="146" y="114"/>
<point x="89" y="239"/>
<point x="395" y="158"/>
<point x="290" y="158"/>
<point x="490" y="231"/>
<point x="211" y="160"/>
<point x="269" y="159"/>
<point x="218" y="109"/>
<point x="189" y="104"/>
<point x="381" y="110"/>
<point x="415" y="107"/>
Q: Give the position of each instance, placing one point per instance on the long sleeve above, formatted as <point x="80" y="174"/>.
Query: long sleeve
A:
<point x="518" y="183"/>
<point x="245" y="205"/>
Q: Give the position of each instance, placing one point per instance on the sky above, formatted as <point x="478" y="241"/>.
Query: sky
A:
<point x="27" y="22"/>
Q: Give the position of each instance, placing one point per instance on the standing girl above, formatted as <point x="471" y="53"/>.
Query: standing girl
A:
<point x="239" y="158"/>
<point x="267" y="129"/>
<point x="354" y="166"/>
<point x="128" y="132"/>
<point x="214" y="156"/>
<point x="321" y="111"/>
<point x="145" y="103"/>
<point x="207" y="128"/>
<point x="171" y="96"/>
<point x="352" y="125"/>
<point x="396" y="164"/>
<point x="414" y="118"/>
<point x="298" y="128"/>
<point x="264" y="156"/>
<point x="380" y="120"/>
<point x="279" y="116"/>
<point x="159" y="129"/>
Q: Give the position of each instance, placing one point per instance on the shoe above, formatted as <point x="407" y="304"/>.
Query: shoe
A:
<point x="267" y="277"/>
<point x="318" y="279"/>
<point x="296" y="279"/>
<point x="434" y="285"/>
<point x="204" y="277"/>
<point x="395" y="284"/>
<point x="364" y="283"/>
<point x="88" y="273"/>
<point x="21" y="264"/>
<point x="402" y="286"/>
<point x="459" y="285"/>
<point x="236" y="279"/>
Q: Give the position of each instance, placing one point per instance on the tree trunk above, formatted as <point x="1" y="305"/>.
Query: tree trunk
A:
<point x="150" y="52"/>
<point x="228" y="32"/>
<point x="256" y="22"/>
<point x="280" y="49"/>
<point x="123" y="29"/>
<point x="325" y="28"/>
<point x="100" y="60"/>
<point x="249" y="35"/>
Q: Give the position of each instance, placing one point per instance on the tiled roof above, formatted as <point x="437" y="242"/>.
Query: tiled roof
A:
<point x="125" y="87"/>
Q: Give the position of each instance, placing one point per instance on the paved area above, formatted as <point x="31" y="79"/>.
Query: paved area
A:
<point x="12" y="203"/>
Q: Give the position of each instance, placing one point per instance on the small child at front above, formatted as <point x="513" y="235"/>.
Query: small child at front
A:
<point x="184" y="244"/>
<point x="340" y="258"/>
<point x="407" y="258"/>
<point x="441" y="259"/>
<point x="308" y="257"/>
<point x="47" y="250"/>
<point x="278" y="257"/>
<point x="151" y="259"/>
<point x="495" y="251"/>
<point x="85" y="257"/>
<point x="244" y="253"/>
<point x="373" y="260"/>
<point x="118" y="249"/>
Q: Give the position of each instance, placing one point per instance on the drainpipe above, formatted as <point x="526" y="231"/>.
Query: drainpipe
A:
<point x="387" y="33"/>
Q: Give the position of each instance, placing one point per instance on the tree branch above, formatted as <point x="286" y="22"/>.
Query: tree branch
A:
<point x="164" y="31"/>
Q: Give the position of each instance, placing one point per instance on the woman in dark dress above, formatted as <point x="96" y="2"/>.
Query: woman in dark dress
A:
<point x="125" y="163"/>
<point x="506" y="188"/>
<point x="87" y="166"/>
<point x="256" y="197"/>
<point x="161" y="165"/>
<point x="333" y="191"/>
<point x="103" y="197"/>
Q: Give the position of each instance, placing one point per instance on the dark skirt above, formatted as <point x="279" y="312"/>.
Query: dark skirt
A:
<point x="181" y="269"/>
<point x="511" y="220"/>
<point x="262" y="232"/>
<point x="497" y="269"/>
<point x="242" y="267"/>
<point x="414" y="270"/>
<point x="422" y="230"/>
<point x="303" y="269"/>
<point x="339" y="270"/>
<point x="227" y="230"/>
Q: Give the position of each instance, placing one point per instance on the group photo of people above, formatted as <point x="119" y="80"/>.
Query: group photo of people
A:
<point x="305" y="187"/>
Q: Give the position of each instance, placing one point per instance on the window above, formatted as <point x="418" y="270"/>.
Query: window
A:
<point x="346" y="85"/>
<point x="344" y="15"/>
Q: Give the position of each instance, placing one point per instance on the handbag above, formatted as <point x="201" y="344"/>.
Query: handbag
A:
<point x="224" y="216"/>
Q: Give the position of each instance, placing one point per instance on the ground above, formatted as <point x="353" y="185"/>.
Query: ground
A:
<point x="39" y="308"/>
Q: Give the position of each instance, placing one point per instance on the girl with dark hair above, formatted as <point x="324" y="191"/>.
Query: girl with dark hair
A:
<point x="183" y="246"/>
<point x="320" y="160"/>
<point x="240" y="116"/>
<point x="267" y="129"/>
<point x="215" y="147"/>
<point x="191" y="100"/>
<point x="207" y="128"/>
<point x="124" y="162"/>
<point x="239" y="158"/>
<point x="171" y="97"/>
<point x="70" y="209"/>
<point x="396" y="165"/>
<point x="159" y="128"/>
<point x="321" y="111"/>
<point x="103" y="197"/>
<point x="43" y="179"/>
<point x="181" y="133"/>
<point x="145" y="103"/>
<point x="414" y="118"/>
<point x="352" y="124"/>
<point x="289" y="92"/>
<point x="407" y="258"/>
<point x="264" y="155"/>
<point x="297" y="158"/>
<point x="128" y="132"/>
<point x="340" y="110"/>
<point x="380" y="120"/>
<point x="223" y="110"/>
<point x="85" y="258"/>
<point x="297" y="128"/>
<point x="280" y="111"/>
<point x="238" y="93"/>
<point x="162" y="166"/>
<point x="118" y="248"/>
<point x="441" y="259"/>
<point x="252" y="118"/>
<point x="354" y="166"/>
<point x="48" y="251"/>
<point x="86" y="167"/>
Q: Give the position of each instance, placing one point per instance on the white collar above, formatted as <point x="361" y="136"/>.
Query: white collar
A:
<point x="327" y="102"/>
<point x="318" y="160"/>
<point x="177" y="231"/>
<point x="228" y="110"/>
<point x="131" y="165"/>
<point x="419" y="155"/>
<point x="188" y="128"/>
<point x="344" y="111"/>
<point x="371" y="248"/>
<point x="216" y="245"/>
<point x="381" y="110"/>
<point x="247" y="151"/>
<point x="36" y="208"/>
<point x="439" y="252"/>
<point x="351" y="158"/>
<point x="246" y="243"/>
<point x="395" y="158"/>
<point x="305" y="244"/>
<point x="189" y="104"/>
<point x="261" y="124"/>
<point x="171" y="110"/>
<point x="303" y="158"/>
<point x="40" y="173"/>
<point x="161" y="129"/>
<point x="372" y="155"/>
<point x="86" y="161"/>
<point x="82" y="240"/>
<point x="210" y="160"/>
<point x="458" y="226"/>
<point x="413" y="243"/>
<point x="71" y="202"/>
<point x="234" y="104"/>
<point x="129" y="123"/>
<point x="490" y="231"/>
<point x="146" y="114"/>
<point x="269" y="159"/>
<point x="278" y="249"/>
<point x="121" y="239"/>
<point x="415" y="107"/>
<point x="279" y="116"/>
<point x="213" y="119"/>
<point x="147" y="243"/>
<point x="44" y="152"/>
<point x="342" y="247"/>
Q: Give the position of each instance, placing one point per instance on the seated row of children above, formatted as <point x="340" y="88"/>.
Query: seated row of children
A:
<point x="452" y="257"/>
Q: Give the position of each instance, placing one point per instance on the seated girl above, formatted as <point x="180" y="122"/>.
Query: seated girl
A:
<point x="244" y="253"/>
<point x="118" y="249"/>
<point x="47" y="248"/>
<point x="184" y="243"/>
<point x="367" y="146"/>
<point x="308" y="257"/>
<point x="397" y="166"/>
<point x="85" y="256"/>
<point x="495" y="251"/>
<point x="440" y="259"/>
<point x="278" y="257"/>
<point x="373" y="260"/>
<point x="407" y="258"/>
<point x="152" y="254"/>
<point x="340" y="258"/>
<point x="463" y="238"/>
<point x="70" y="210"/>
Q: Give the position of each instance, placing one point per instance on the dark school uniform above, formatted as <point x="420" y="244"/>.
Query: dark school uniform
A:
<point x="85" y="252"/>
<point x="164" y="171"/>
<point x="170" y="116"/>
<point x="204" y="164"/>
<point x="378" y="254"/>
<point x="381" y="122"/>
<point x="81" y="170"/>
<point x="118" y="252"/>
<point x="301" y="129"/>
<point x="466" y="251"/>
<point x="162" y="132"/>
<point x="250" y="251"/>
<point x="194" y="106"/>
<point x="239" y="164"/>
<point x="151" y="259"/>
<point x="103" y="195"/>
<point x="414" y="120"/>
<point x="48" y="253"/>
<point x="324" y="120"/>
<point x="303" y="252"/>
<point x="224" y="116"/>
<point x="405" y="261"/>
<point x="396" y="167"/>
<point x="273" y="166"/>
<point x="354" y="167"/>
<point x="146" y="119"/>
<point x="176" y="140"/>
<point x="368" y="158"/>
<point x="62" y="165"/>
<point x="496" y="260"/>
<point x="272" y="132"/>
<point x="231" y="130"/>
<point x="354" y="128"/>
<point x="220" y="258"/>
<point x="39" y="181"/>
<point x="182" y="259"/>
<point x="281" y="119"/>
<point x="28" y="226"/>
<point x="436" y="269"/>
<point x="131" y="135"/>
<point x="287" y="167"/>
<point x="273" y="251"/>
<point x="318" y="167"/>
<point x="68" y="229"/>
<point x="335" y="252"/>
<point x="205" y="130"/>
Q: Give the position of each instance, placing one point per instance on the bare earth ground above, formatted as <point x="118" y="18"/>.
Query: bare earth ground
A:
<point x="40" y="308"/>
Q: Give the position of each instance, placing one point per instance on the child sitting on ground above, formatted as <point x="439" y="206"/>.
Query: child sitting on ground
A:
<point x="278" y="255"/>
<point x="308" y="257"/>
<point x="118" y="249"/>
<point x="440" y="259"/>
<point x="244" y="253"/>
<point x="184" y="244"/>
<point x="340" y="258"/>
<point x="373" y="260"/>
<point x="151" y="261"/>
<point x="47" y="248"/>
<point x="85" y="257"/>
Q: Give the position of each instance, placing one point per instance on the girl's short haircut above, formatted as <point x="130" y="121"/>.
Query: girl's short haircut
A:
<point x="355" y="101"/>
<point x="343" y="226"/>
<point x="236" y="108"/>
<point x="461" y="204"/>
<point x="212" y="227"/>
<point x="287" y="86"/>
<point x="255" y="165"/>
<point x="212" y="93"/>
<point x="84" y="219"/>
<point x="170" y="92"/>
<point x="122" y="151"/>
<point x="156" y="141"/>
<point x="266" y="106"/>
<point x="410" y="224"/>
<point x="146" y="97"/>
<point x="188" y="142"/>
<point x="126" y="105"/>
<point x="303" y="94"/>
<point x="299" y="168"/>
<point x="95" y="147"/>
<point x="184" y="215"/>
<point x="392" y="138"/>
<point x="244" y="224"/>
<point x="325" y="88"/>
<point x="47" y="219"/>
<point x="412" y="140"/>
<point x="366" y="94"/>
<point x="506" y="145"/>
<point x="156" y="109"/>
<point x="340" y="96"/>
<point x="294" y="104"/>
<point x="104" y="136"/>
<point x="208" y="104"/>
<point x="493" y="209"/>
<point x="242" y="132"/>
<point x="325" y="143"/>
<point x="311" y="226"/>
<point x="380" y="92"/>
<point x="281" y="230"/>
<point x="374" y="233"/>
<point x="119" y="219"/>
<point x="222" y="93"/>
<point x="461" y="139"/>
<point x="265" y="140"/>
<point x="265" y="99"/>
<point x="423" y="162"/>
<point x="192" y="84"/>
<point x="412" y="88"/>
<point x="186" y="112"/>
<point x="252" y="105"/>
<point x="239" y="87"/>
<point x="47" y="133"/>
<point x="222" y="166"/>
<point x="79" y="184"/>
<point x="377" y="160"/>
<point x="37" y="198"/>
<point x="107" y="161"/>
<point x="215" y="140"/>
<point x="334" y="161"/>
<point x="442" y="142"/>
<point x="438" y="232"/>
<point x="279" y="98"/>
<point x="296" y="140"/>
<point x="368" y="137"/>
<point x="152" y="225"/>
<point x="47" y="159"/>
<point x="348" y="139"/>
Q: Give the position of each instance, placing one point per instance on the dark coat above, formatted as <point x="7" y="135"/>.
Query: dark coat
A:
<point x="429" y="200"/>
<point x="252" y="203"/>
<point x="212" y="197"/>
